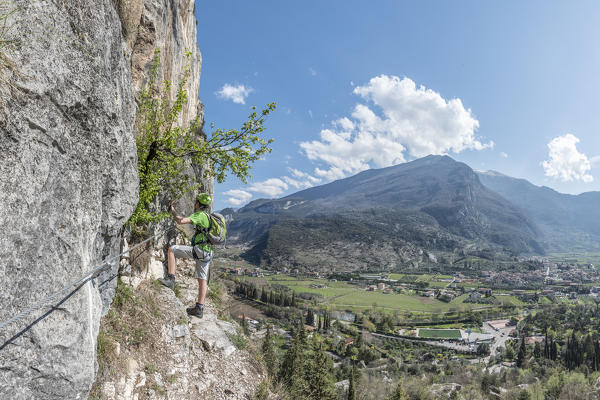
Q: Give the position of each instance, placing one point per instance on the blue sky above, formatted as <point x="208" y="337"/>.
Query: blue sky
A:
<point x="509" y="86"/>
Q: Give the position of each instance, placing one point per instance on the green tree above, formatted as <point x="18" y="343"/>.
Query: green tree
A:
<point x="537" y="350"/>
<point x="576" y="387"/>
<point x="244" y="323"/>
<point x="268" y="349"/>
<point x="164" y="148"/>
<point x="319" y="375"/>
<point x="352" y="383"/>
<point x="399" y="393"/>
<point x="483" y="349"/>
<point x="310" y="317"/>
<point x="293" y="367"/>
<point x="359" y="341"/>
<point x="510" y="353"/>
<point x="263" y="296"/>
<point x="554" y="386"/>
<point x="522" y="355"/>
<point x="524" y="395"/>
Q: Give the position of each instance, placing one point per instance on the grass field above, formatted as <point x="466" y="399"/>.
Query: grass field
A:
<point x="421" y="277"/>
<point x="439" y="333"/>
<point x="342" y="295"/>
<point x="588" y="257"/>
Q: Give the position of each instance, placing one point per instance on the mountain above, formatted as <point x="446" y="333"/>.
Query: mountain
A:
<point x="386" y="217"/>
<point x="566" y="222"/>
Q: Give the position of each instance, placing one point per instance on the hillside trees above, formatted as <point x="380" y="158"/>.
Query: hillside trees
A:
<point x="522" y="354"/>
<point x="269" y="356"/>
<point x="249" y="291"/>
<point x="306" y="371"/>
<point x="352" y="383"/>
<point x="399" y="393"/>
<point x="165" y="148"/>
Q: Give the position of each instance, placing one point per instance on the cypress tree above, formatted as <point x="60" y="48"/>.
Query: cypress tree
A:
<point x="588" y="352"/>
<point x="293" y="367"/>
<point x="359" y="341"/>
<point x="352" y="383"/>
<point x="268" y="349"/>
<point x="263" y="296"/>
<point x="537" y="350"/>
<point x="302" y="333"/>
<point x="310" y="318"/>
<point x="596" y="355"/>
<point x="522" y="353"/>
<point x="245" y="325"/>
<point x="319" y="375"/>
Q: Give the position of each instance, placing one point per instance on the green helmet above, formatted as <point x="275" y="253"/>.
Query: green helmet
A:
<point x="204" y="199"/>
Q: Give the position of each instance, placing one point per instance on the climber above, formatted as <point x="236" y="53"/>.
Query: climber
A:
<point x="201" y="250"/>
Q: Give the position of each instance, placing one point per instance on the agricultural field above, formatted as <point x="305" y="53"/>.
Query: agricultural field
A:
<point x="589" y="257"/>
<point x="439" y="333"/>
<point x="342" y="295"/>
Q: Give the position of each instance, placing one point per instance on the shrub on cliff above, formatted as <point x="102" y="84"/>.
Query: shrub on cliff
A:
<point x="164" y="147"/>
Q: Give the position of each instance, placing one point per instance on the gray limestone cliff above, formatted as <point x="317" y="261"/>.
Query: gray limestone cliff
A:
<point x="68" y="174"/>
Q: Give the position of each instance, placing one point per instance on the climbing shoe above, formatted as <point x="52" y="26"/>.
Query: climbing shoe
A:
<point x="196" y="311"/>
<point x="169" y="281"/>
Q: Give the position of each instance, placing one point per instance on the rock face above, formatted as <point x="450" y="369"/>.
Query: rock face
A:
<point x="68" y="179"/>
<point x="168" y="25"/>
<point x="68" y="183"/>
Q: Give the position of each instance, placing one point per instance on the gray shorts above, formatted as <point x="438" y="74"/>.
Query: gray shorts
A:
<point x="202" y="262"/>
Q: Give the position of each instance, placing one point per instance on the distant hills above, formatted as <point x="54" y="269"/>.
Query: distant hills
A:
<point x="408" y="213"/>
<point x="566" y="222"/>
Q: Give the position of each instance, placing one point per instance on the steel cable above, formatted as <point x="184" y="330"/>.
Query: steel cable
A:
<point x="90" y="275"/>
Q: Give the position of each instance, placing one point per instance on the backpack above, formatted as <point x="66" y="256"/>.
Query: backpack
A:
<point x="217" y="230"/>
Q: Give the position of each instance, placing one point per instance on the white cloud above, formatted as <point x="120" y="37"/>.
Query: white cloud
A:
<point x="237" y="197"/>
<point x="344" y="123"/>
<point x="303" y="175"/>
<point x="418" y="117"/>
<point x="310" y="113"/>
<point x="503" y="154"/>
<point x="237" y="93"/>
<point x="406" y="120"/>
<point x="566" y="163"/>
<point x="595" y="160"/>
<point x="312" y="71"/>
<point x="271" y="187"/>
<point x="300" y="180"/>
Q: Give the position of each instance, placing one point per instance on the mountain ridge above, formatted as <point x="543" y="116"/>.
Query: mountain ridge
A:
<point x="443" y="195"/>
<point x="566" y="221"/>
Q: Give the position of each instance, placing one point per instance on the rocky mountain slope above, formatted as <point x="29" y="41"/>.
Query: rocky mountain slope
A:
<point x="68" y="178"/>
<point x="383" y="217"/>
<point x="566" y="222"/>
<point x="152" y="349"/>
